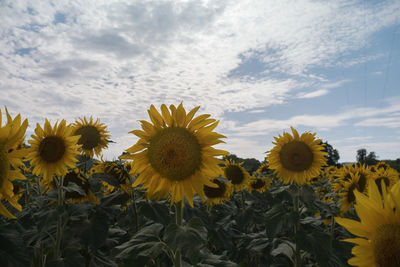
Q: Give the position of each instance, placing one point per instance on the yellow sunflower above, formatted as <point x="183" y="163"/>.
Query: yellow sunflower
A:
<point x="219" y="194"/>
<point x="388" y="176"/>
<point x="118" y="173"/>
<point x="344" y="174"/>
<point x="297" y="158"/>
<point x="264" y="169"/>
<point x="74" y="176"/>
<point x="347" y="195"/>
<point x="331" y="172"/>
<point x="236" y="174"/>
<point x="259" y="184"/>
<point x="93" y="136"/>
<point x="378" y="231"/>
<point x="365" y="175"/>
<point x="12" y="135"/>
<point x="382" y="165"/>
<point x="53" y="149"/>
<point x="324" y="194"/>
<point x="174" y="155"/>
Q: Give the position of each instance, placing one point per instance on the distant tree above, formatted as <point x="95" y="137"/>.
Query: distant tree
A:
<point x="364" y="157"/>
<point x="371" y="159"/>
<point x="333" y="155"/>
<point x="249" y="164"/>
<point x="361" y="155"/>
<point x="233" y="157"/>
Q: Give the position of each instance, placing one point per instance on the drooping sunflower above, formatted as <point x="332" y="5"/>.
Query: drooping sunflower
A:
<point x="259" y="184"/>
<point x="219" y="194"/>
<point x="74" y="176"/>
<point x="378" y="231"/>
<point x="117" y="172"/>
<point x="365" y="175"/>
<point x="382" y="165"/>
<point x="297" y="158"/>
<point x="53" y="149"/>
<point x="388" y="176"/>
<point x="344" y="174"/>
<point x="174" y="155"/>
<point x="347" y="195"/>
<point x="12" y="135"/>
<point x="93" y="136"/>
<point x="236" y="174"/>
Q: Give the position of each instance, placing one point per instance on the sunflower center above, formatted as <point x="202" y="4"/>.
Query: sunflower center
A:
<point x="4" y="165"/>
<point x="212" y="192"/>
<point x="386" y="245"/>
<point x="90" y="137"/>
<point x="379" y="180"/>
<point x="257" y="184"/>
<point x="175" y="153"/>
<point x="350" y="194"/>
<point x="296" y="156"/>
<point x="234" y="174"/>
<point x="362" y="182"/>
<point x="52" y="149"/>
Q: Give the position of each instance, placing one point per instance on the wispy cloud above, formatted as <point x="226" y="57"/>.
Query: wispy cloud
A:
<point x="112" y="59"/>
<point x="313" y="94"/>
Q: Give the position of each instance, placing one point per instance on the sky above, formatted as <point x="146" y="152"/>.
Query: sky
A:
<point x="327" y="67"/>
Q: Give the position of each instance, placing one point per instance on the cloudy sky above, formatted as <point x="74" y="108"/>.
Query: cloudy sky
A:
<point x="330" y="67"/>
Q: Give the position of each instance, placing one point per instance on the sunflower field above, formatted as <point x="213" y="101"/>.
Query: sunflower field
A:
<point x="173" y="199"/>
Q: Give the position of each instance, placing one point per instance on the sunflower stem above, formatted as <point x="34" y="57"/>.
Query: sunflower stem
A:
<point x="135" y="210"/>
<point x="60" y="202"/>
<point x="243" y="200"/>
<point x="332" y="230"/>
<point x="297" y="226"/>
<point x="178" y="220"/>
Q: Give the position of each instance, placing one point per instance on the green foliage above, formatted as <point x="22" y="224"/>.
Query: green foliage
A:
<point x="128" y="230"/>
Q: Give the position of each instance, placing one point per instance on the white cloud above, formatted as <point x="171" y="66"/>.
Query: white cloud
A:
<point x="313" y="94"/>
<point x="112" y="59"/>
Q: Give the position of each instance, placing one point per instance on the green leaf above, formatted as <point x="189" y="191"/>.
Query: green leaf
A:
<point x="98" y="228"/>
<point x="73" y="187"/>
<point x="145" y="243"/>
<point x="189" y="239"/>
<point x="156" y="211"/>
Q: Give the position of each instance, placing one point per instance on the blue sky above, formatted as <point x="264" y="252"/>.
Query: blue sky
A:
<point x="330" y="67"/>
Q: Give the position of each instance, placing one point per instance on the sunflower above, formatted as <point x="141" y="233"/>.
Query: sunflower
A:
<point x="217" y="195"/>
<point x="118" y="173"/>
<point x="324" y="194"/>
<point x="86" y="194"/>
<point x="331" y="172"/>
<point x="388" y="176"/>
<point x="344" y="174"/>
<point x="347" y="194"/>
<point x="53" y="149"/>
<point x="236" y="174"/>
<point x="11" y="136"/>
<point x="297" y="158"/>
<point x="378" y="231"/>
<point x="365" y="175"/>
<point x="264" y="169"/>
<point x="93" y="136"/>
<point x="259" y="184"/>
<point x="174" y="155"/>
<point x="382" y="165"/>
